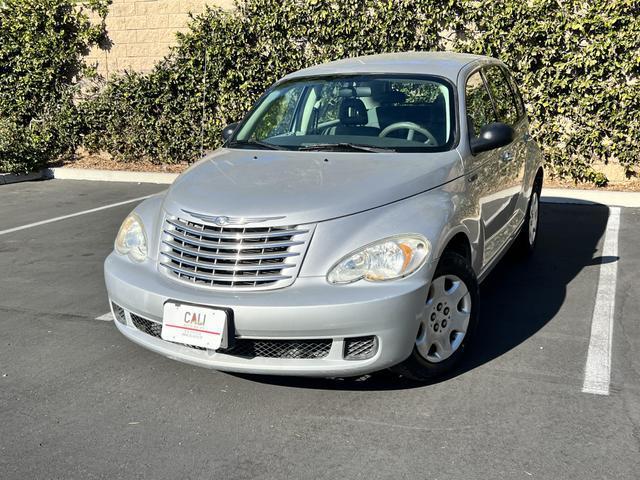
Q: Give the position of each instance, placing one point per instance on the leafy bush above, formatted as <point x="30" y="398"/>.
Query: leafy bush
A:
<point x="42" y="44"/>
<point x="159" y="115"/>
<point x="578" y="64"/>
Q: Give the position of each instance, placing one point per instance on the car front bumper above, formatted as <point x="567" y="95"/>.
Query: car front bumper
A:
<point x="309" y="309"/>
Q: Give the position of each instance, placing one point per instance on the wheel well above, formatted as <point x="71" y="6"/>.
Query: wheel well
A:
<point x="459" y="244"/>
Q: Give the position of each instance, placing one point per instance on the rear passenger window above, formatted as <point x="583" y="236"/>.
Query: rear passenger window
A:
<point x="502" y="95"/>
<point x="480" y="110"/>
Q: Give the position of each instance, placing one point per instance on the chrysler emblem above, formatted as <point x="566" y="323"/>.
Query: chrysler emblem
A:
<point x="223" y="220"/>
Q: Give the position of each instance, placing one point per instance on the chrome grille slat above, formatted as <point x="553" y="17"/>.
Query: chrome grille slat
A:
<point x="229" y="268"/>
<point x="239" y="235"/>
<point x="243" y="257"/>
<point x="226" y="278"/>
<point x="231" y="246"/>
<point x="228" y="256"/>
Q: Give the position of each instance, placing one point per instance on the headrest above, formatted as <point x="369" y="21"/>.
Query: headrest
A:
<point x="392" y="97"/>
<point x="353" y="112"/>
<point x="354" y="92"/>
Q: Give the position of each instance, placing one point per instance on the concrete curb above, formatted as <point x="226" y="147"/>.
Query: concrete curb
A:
<point x="6" y="178"/>
<point x="111" y="175"/>
<point x="590" y="197"/>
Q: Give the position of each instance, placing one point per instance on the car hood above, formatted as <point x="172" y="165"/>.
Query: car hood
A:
<point x="305" y="187"/>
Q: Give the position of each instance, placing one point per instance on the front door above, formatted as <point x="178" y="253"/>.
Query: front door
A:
<point x="486" y="172"/>
<point x="511" y="157"/>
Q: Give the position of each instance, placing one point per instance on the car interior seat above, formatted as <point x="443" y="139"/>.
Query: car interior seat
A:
<point x="353" y="119"/>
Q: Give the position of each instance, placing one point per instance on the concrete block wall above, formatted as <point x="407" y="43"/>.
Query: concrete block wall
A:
<point x="143" y="30"/>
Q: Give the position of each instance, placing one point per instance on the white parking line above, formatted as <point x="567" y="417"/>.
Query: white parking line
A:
<point x="71" y="215"/>
<point x="597" y="372"/>
<point x="107" y="317"/>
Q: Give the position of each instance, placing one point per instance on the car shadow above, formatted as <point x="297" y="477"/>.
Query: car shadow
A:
<point x="518" y="298"/>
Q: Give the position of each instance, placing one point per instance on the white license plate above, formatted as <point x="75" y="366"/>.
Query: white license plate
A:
<point x="192" y="325"/>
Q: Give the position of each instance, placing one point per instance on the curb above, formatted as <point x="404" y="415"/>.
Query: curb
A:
<point x="7" y="178"/>
<point x="590" y="197"/>
<point x="111" y="175"/>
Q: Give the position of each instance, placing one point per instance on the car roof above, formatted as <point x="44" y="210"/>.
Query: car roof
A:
<point x="444" y="64"/>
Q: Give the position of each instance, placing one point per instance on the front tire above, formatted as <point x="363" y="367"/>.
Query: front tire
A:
<point x="448" y="321"/>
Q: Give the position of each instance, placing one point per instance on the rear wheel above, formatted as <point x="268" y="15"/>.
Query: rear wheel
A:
<point x="448" y="320"/>
<point x="528" y="236"/>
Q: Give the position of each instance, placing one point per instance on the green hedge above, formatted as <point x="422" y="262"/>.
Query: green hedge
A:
<point x="578" y="64"/>
<point x="158" y="115"/>
<point x="42" y="44"/>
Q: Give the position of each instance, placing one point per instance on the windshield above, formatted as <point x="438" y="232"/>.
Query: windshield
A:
<point x="370" y="113"/>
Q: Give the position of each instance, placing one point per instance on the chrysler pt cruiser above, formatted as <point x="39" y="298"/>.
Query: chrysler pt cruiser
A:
<point x="342" y="228"/>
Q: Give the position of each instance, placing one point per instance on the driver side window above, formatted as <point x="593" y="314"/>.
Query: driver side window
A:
<point x="480" y="110"/>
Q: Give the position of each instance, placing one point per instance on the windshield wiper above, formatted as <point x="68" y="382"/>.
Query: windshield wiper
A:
<point x="256" y="143"/>
<point x="342" y="146"/>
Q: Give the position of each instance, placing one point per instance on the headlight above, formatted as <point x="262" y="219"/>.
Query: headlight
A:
<point x="132" y="239"/>
<point x="386" y="259"/>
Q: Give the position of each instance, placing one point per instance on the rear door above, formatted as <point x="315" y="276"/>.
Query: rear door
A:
<point x="511" y="157"/>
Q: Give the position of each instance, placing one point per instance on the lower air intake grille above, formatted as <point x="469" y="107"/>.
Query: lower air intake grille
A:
<point x="146" y="326"/>
<point x="118" y="312"/>
<point x="253" y="348"/>
<point x="360" y="348"/>
<point x="280" y="348"/>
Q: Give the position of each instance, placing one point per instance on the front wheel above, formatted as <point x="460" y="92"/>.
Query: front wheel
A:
<point x="448" y="320"/>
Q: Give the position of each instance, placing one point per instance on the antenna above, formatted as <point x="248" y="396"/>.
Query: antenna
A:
<point x="204" y="101"/>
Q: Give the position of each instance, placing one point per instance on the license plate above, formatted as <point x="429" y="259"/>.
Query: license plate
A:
<point x="192" y="325"/>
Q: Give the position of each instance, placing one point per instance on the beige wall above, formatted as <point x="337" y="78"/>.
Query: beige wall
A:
<point x="142" y="31"/>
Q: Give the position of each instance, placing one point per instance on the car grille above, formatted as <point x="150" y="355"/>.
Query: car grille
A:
<point x="232" y="257"/>
<point x="146" y="326"/>
<point x="280" y="348"/>
<point x="251" y="348"/>
<point x="118" y="313"/>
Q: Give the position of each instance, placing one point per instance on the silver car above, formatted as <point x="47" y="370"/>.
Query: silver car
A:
<point x="343" y="227"/>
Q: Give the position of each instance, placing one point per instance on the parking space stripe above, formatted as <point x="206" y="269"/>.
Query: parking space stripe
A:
<point x="107" y="317"/>
<point x="597" y="373"/>
<point x="71" y="215"/>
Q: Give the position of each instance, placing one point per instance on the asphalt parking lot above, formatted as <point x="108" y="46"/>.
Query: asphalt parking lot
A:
<point x="78" y="400"/>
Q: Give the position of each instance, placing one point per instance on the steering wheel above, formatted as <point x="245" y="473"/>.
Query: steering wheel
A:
<point x="412" y="128"/>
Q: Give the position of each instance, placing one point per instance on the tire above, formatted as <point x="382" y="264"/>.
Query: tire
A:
<point x="441" y="324"/>
<point x="528" y="236"/>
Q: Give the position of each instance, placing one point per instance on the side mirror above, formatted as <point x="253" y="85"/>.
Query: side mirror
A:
<point x="228" y="130"/>
<point x="494" y="135"/>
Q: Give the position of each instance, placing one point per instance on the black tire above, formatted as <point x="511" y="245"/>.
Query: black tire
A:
<point x="523" y="244"/>
<point x="417" y="367"/>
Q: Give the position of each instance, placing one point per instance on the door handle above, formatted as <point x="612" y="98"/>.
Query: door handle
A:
<point x="506" y="156"/>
